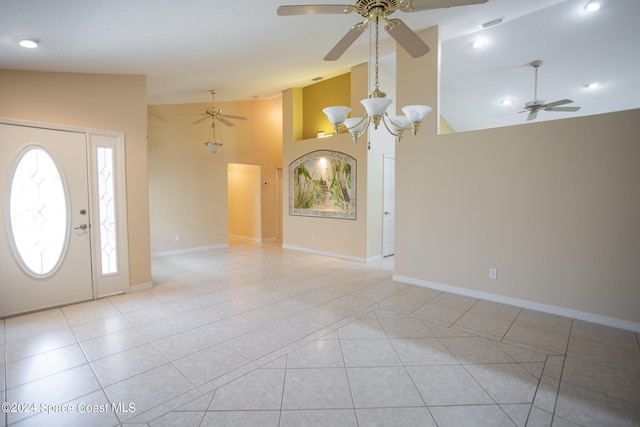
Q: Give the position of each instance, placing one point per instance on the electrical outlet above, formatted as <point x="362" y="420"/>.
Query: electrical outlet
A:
<point x="493" y="273"/>
<point x="177" y="237"/>
<point x="313" y="237"/>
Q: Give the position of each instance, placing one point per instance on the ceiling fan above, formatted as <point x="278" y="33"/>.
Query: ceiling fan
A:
<point x="537" y="104"/>
<point x="376" y="11"/>
<point x="216" y="114"/>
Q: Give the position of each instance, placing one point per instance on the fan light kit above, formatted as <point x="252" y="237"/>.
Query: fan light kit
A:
<point x="377" y="102"/>
<point x="216" y="115"/>
<point x="213" y="147"/>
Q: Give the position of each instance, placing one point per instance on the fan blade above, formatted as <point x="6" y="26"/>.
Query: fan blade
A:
<point x="313" y="9"/>
<point x="532" y="115"/>
<point x="563" y="109"/>
<point x="346" y="41"/>
<point x="225" y="121"/>
<point x="557" y="103"/>
<point x="406" y="37"/>
<point x="200" y="120"/>
<point x="228" y="116"/>
<point x="418" y="5"/>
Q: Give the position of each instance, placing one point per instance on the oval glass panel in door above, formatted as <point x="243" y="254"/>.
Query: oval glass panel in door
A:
<point x="38" y="212"/>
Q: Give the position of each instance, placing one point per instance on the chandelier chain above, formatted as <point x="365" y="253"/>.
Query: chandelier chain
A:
<point x="377" y="48"/>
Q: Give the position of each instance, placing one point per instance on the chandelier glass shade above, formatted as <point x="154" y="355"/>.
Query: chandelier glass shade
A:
<point x="213" y="147"/>
<point x="376" y="106"/>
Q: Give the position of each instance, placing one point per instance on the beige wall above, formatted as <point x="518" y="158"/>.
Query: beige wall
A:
<point x="554" y="206"/>
<point x="337" y="236"/>
<point x="96" y="101"/>
<point x="358" y="239"/>
<point x="188" y="185"/>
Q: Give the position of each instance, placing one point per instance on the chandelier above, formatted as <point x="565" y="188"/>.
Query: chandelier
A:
<point x="377" y="103"/>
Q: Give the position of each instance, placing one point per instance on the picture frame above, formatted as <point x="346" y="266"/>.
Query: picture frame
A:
<point x="323" y="184"/>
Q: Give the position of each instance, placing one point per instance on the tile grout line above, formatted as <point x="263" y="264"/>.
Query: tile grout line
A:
<point x="555" y="403"/>
<point x="157" y="409"/>
<point x="346" y="374"/>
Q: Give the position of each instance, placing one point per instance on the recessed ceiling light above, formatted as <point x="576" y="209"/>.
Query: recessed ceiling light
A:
<point x="594" y="85"/>
<point x="592" y="6"/>
<point x="479" y="42"/>
<point x="506" y="101"/>
<point x="29" y="43"/>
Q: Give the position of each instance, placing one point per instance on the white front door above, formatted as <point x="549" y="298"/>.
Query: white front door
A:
<point x="45" y="248"/>
<point x="389" y="206"/>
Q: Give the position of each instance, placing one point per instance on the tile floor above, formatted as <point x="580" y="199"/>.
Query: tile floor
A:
<point x="254" y="335"/>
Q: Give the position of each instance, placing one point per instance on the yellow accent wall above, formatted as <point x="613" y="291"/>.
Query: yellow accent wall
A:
<point x="358" y="239"/>
<point x="334" y="91"/>
<point x="445" y="126"/>
<point x="338" y="236"/>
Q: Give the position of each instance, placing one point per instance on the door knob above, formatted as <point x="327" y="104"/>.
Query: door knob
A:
<point x="81" y="227"/>
<point x="387" y="213"/>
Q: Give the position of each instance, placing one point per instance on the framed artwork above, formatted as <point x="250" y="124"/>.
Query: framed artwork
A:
<point x="323" y="184"/>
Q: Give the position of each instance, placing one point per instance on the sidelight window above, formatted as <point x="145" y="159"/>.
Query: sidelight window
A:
<point x="107" y="212"/>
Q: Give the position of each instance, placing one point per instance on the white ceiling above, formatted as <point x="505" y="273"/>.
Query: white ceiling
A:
<point x="244" y="50"/>
<point x="577" y="48"/>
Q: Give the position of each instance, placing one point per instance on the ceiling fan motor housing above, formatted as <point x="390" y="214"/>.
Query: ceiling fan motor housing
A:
<point x="364" y="7"/>
<point x="534" y="104"/>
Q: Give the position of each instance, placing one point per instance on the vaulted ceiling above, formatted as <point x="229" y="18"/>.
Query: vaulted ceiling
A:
<point x="245" y="50"/>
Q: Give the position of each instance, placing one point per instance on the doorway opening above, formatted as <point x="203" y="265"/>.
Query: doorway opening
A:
<point x="244" y="201"/>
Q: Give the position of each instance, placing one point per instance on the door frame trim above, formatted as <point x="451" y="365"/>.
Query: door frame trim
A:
<point x="111" y="284"/>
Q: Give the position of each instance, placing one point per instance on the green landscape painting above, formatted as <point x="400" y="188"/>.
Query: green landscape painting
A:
<point x="323" y="183"/>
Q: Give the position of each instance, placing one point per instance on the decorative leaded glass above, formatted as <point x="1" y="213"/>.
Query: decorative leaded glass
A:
<point x="38" y="212"/>
<point x="106" y="198"/>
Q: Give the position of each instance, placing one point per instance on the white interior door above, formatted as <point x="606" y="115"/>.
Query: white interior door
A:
<point x="45" y="248"/>
<point x="389" y="205"/>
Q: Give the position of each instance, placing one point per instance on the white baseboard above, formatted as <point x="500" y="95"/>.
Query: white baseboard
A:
<point x="332" y="254"/>
<point x="546" y="308"/>
<point x="140" y="287"/>
<point x="188" y="250"/>
<point x="247" y="238"/>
